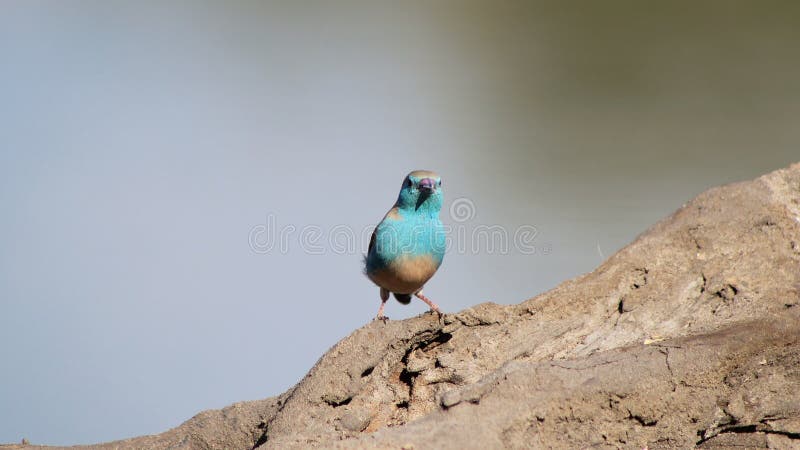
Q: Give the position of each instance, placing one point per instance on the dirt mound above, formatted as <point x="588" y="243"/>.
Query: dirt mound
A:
<point x="689" y="336"/>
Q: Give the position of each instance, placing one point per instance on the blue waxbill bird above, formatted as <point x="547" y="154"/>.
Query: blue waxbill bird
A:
<point x="408" y="245"/>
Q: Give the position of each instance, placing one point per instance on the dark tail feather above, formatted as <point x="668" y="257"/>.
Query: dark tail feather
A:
<point x="403" y="298"/>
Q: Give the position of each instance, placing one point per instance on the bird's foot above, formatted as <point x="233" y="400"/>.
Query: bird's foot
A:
<point x="438" y="312"/>
<point x="434" y="307"/>
<point x="384" y="297"/>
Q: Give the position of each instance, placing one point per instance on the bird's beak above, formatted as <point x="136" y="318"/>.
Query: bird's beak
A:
<point x="427" y="185"/>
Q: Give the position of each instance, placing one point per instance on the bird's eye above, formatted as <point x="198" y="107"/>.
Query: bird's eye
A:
<point x="409" y="183"/>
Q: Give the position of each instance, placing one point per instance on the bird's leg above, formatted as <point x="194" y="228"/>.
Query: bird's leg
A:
<point x="384" y="297"/>
<point x="428" y="301"/>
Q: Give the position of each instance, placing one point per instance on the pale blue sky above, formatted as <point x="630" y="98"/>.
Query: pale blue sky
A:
<point x="141" y="142"/>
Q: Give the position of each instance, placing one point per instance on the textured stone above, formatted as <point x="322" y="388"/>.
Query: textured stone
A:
<point x="688" y="337"/>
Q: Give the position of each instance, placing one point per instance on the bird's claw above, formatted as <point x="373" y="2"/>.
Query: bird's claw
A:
<point x="382" y="318"/>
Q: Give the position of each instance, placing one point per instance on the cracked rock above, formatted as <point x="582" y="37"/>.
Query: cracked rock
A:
<point x="703" y="351"/>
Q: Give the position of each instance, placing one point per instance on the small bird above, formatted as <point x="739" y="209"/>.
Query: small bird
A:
<point x="407" y="247"/>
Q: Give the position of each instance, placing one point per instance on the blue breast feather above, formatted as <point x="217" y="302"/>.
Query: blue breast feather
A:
<point x="408" y="235"/>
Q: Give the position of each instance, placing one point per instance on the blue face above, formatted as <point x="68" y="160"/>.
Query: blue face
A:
<point x="421" y="192"/>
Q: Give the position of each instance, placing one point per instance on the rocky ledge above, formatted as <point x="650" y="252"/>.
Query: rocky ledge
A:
<point x="688" y="337"/>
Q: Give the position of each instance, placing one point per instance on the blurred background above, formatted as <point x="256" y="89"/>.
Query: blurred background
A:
<point x="148" y="149"/>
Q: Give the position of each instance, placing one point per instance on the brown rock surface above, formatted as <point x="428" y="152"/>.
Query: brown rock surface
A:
<point x="689" y="336"/>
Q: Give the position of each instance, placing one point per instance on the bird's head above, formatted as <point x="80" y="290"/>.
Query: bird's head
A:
<point x="421" y="192"/>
